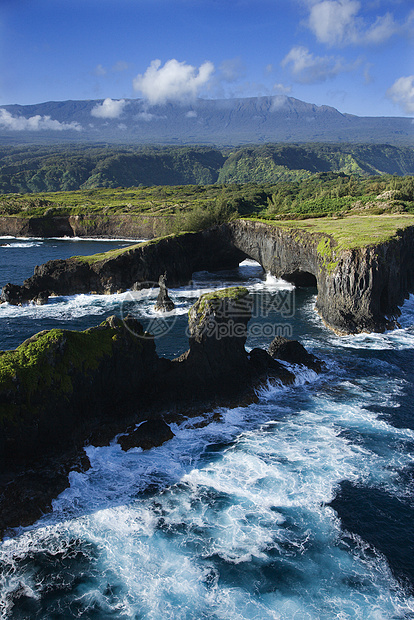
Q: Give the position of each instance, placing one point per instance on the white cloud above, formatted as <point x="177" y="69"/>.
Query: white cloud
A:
<point x="278" y="103"/>
<point x="109" y="108"/>
<point x="120" y="66"/>
<point x="34" y="123"/>
<point x="100" y="70"/>
<point x="191" y="114"/>
<point x="309" y="69"/>
<point x="147" y="116"/>
<point x="175" y="81"/>
<point x="384" y="28"/>
<point x="337" y="22"/>
<point x="231" y="70"/>
<point x="402" y="93"/>
<point x="333" y="22"/>
<point x="282" y="89"/>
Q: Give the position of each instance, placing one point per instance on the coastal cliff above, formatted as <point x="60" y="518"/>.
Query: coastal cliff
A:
<point x="362" y="267"/>
<point x="117" y="270"/>
<point x="61" y="388"/>
<point x="360" y="288"/>
<point x="121" y="225"/>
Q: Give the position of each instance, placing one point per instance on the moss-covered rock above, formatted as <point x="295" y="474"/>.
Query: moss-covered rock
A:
<point x="62" y="388"/>
<point x="59" y="384"/>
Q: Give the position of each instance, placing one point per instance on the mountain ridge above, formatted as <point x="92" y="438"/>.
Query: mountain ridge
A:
<point x="218" y="122"/>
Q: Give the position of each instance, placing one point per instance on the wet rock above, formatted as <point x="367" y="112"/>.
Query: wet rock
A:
<point x="293" y="352"/>
<point x="149" y="434"/>
<point x="136" y="266"/>
<point x="42" y="298"/>
<point x="28" y="495"/>
<point x="164" y="303"/>
<point x="12" y="294"/>
<point x="359" y="290"/>
<point x="60" y="389"/>
<point x="267" y="367"/>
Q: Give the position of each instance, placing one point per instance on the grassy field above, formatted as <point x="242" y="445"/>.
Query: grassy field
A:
<point x="320" y="195"/>
<point x="353" y="231"/>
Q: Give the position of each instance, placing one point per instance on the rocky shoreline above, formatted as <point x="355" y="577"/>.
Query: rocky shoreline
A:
<point x="105" y="226"/>
<point x="360" y="291"/>
<point x="62" y="389"/>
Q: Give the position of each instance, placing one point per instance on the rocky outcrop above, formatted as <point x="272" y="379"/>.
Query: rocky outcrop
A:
<point x="60" y="385"/>
<point x="285" y="253"/>
<point x="35" y="226"/>
<point x="60" y="389"/>
<point x="365" y="290"/>
<point x="164" y="302"/>
<point x="149" y="434"/>
<point x="123" y="226"/>
<point x="293" y="352"/>
<point x="358" y="289"/>
<point x="118" y="270"/>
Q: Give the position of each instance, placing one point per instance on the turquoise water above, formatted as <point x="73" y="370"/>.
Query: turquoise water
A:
<point x="231" y="518"/>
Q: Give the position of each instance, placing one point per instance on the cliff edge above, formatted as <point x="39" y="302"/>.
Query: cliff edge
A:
<point x="362" y="267"/>
<point x="61" y="389"/>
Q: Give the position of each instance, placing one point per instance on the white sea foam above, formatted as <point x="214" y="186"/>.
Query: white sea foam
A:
<point x="64" y="308"/>
<point x="262" y="495"/>
<point x="66" y="239"/>
<point x="265" y="493"/>
<point x="28" y="244"/>
<point x="229" y="519"/>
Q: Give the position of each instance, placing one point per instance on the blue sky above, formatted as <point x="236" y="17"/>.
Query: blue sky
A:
<point x="355" y="55"/>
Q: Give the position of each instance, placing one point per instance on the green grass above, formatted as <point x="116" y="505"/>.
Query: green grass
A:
<point x="317" y="195"/>
<point x="47" y="359"/>
<point x="335" y="235"/>
<point x="353" y="231"/>
<point x="215" y="298"/>
<point x="233" y="292"/>
<point x="102" y="256"/>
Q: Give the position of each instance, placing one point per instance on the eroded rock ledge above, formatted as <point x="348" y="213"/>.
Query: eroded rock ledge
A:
<point x="359" y="289"/>
<point x="62" y="388"/>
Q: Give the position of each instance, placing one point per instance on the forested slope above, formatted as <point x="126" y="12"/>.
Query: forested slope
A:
<point x="27" y="169"/>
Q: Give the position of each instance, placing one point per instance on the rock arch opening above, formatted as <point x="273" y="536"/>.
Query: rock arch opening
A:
<point x="302" y="279"/>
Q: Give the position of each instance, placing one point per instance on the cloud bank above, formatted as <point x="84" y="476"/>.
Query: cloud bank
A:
<point x="402" y="93"/>
<point x="337" y="22"/>
<point x="306" y="68"/>
<point x="175" y="81"/>
<point x="34" y="123"/>
<point x="109" y="108"/>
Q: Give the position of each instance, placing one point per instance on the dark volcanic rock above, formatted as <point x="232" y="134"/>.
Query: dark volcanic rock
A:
<point x="12" y="294"/>
<point x="216" y="368"/>
<point x="266" y="366"/>
<point x="361" y="290"/>
<point x="42" y="298"/>
<point x="216" y="364"/>
<point x="164" y="303"/>
<point x="181" y="255"/>
<point x="148" y="435"/>
<point x="27" y="496"/>
<point x="61" y="385"/>
<point x="60" y="389"/>
<point x="293" y="352"/>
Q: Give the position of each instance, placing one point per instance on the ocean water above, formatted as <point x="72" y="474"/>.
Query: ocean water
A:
<point x="232" y="518"/>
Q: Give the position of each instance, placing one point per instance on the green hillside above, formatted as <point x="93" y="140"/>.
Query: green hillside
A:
<point x="197" y="206"/>
<point x="51" y="169"/>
